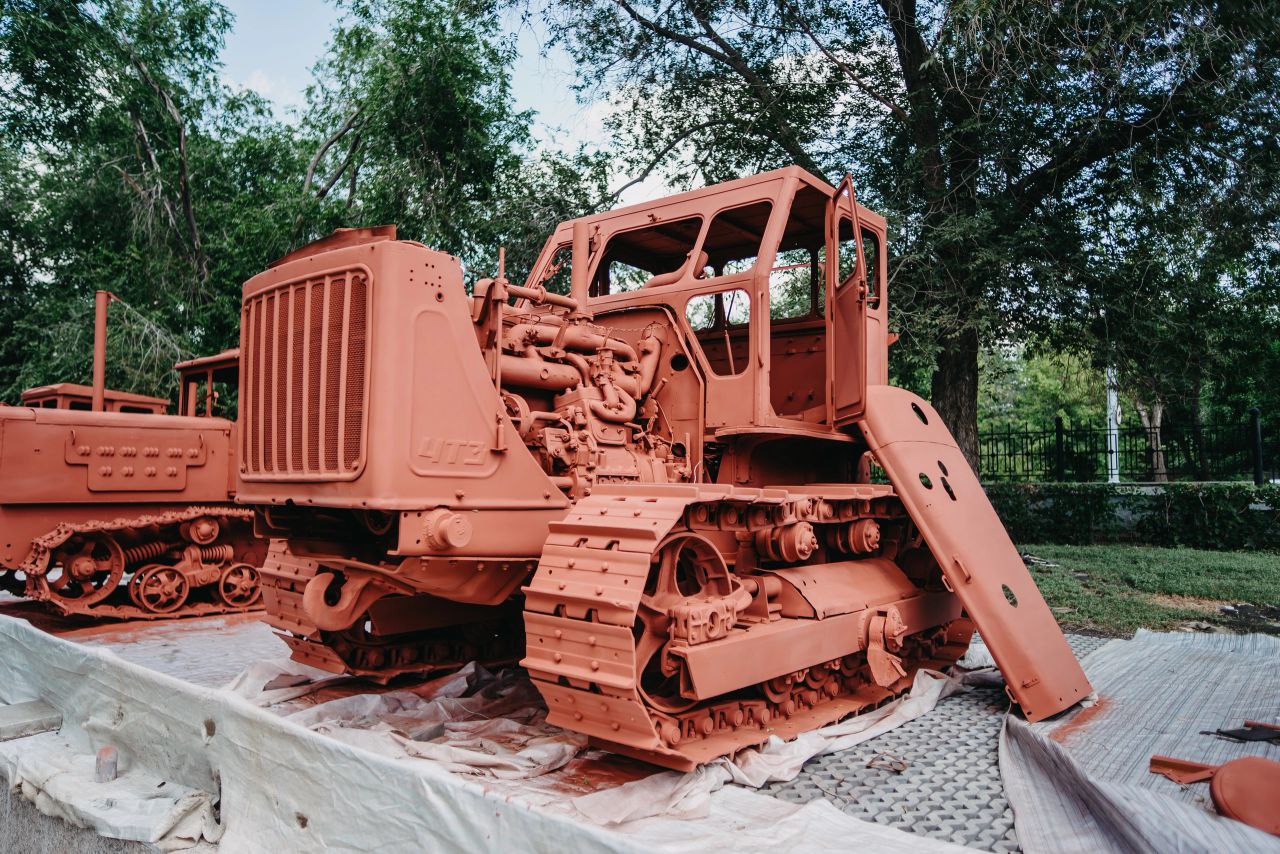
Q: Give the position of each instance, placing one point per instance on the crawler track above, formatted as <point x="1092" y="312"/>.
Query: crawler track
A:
<point x="378" y="657"/>
<point x="148" y="537"/>
<point x="612" y="610"/>
<point x="585" y="630"/>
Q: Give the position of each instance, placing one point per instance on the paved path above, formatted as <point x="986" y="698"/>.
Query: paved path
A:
<point x="951" y="787"/>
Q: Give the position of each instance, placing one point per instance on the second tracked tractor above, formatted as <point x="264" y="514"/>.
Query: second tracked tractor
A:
<point x="654" y="474"/>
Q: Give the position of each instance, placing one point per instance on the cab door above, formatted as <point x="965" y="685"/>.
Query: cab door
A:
<point x="846" y="285"/>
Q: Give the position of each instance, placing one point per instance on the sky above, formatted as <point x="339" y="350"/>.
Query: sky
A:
<point x="274" y="44"/>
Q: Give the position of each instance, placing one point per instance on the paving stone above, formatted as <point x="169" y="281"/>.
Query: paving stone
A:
<point x="951" y="789"/>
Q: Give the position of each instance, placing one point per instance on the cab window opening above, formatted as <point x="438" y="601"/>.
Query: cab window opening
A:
<point x="733" y="239"/>
<point x="556" y="277"/>
<point x="797" y="308"/>
<point x="871" y="251"/>
<point x="721" y="323"/>
<point x="636" y="258"/>
<point x="796" y="289"/>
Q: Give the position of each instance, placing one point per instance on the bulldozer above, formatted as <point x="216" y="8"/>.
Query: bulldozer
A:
<point x="666" y="473"/>
<point x="112" y="508"/>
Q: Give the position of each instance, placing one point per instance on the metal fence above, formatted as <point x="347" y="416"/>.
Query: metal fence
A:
<point x="1248" y="449"/>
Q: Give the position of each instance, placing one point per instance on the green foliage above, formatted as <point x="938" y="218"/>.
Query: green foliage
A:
<point x="412" y="122"/>
<point x="126" y="164"/>
<point x="1198" y="515"/>
<point x="1023" y="389"/>
<point x="153" y="181"/>
<point x="1033" y="159"/>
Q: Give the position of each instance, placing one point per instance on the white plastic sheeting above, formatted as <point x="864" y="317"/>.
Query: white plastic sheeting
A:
<point x="1059" y="808"/>
<point x="137" y="806"/>
<point x="1082" y="784"/>
<point x="371" y="771"/>
<point x="475" y="722"/>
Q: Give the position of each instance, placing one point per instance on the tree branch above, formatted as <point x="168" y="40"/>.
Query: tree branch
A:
<point x="144" y="140"/>
<point x="785" y="135"/>
<point x="326" y="145"/>
<point x="867" y="90"/>
<point x="912" y="54"/>
<point x="726" y="54"/>
<point x="661" y="155"/>
<point x="1095" y="141"/>
<point x="184" y="181"/>
<point x="346" y="161"/>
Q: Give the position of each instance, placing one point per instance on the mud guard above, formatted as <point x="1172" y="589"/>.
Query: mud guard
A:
<point x="979" y="562"/>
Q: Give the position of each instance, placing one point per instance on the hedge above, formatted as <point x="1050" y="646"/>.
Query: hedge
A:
<point x="1199" y="515"/>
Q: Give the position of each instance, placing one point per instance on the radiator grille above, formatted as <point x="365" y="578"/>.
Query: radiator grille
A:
<point x="305" y="388"/>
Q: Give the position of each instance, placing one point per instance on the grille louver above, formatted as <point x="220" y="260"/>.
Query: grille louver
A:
<point x="305" y="386"/>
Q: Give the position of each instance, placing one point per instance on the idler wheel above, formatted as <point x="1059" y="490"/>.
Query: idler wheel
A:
<point x="238" y="585"/>
<point x="686" y="567"/>
<point x="86" y="570"/>
<point x="162" y="589"/>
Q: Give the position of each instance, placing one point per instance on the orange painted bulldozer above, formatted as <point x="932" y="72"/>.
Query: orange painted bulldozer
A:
<point x="667" y="448"/>
<point x="111" y="508"/>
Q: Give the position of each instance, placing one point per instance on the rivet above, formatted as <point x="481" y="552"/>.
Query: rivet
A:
<point x="616" y="726"/>
<point x="604" y="567"/>
<point x="559" y="634"/>
<point x="557" y="658"/>
<point x="577" y="716"/>
<point x="595" y="665"/>
<point x="561" y="585"/>
<point x="599" y="591"/>
<point x="592" y="640"/>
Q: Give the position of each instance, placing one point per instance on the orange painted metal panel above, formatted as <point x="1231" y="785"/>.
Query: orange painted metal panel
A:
<point x="978" y="560"/>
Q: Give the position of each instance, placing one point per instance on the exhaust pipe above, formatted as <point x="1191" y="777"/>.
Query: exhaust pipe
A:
<point x="579" y="286"/>
<point x="100" y="301"/>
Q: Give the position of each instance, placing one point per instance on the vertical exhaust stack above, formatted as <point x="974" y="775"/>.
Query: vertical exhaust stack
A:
<point x="578" y="269"/>
<point x="100" y="301"/>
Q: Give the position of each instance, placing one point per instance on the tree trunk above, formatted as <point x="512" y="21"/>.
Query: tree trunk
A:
<point x="955" y="391"/>
<point x="1152" y="419"/>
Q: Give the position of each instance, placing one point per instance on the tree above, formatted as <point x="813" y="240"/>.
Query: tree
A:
<point x="982" y="128"/>
<point x="126" y="164"/>
<point x="149" y="178"/>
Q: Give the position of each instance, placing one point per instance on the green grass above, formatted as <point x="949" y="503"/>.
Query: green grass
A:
<point x="1115" y="590"/>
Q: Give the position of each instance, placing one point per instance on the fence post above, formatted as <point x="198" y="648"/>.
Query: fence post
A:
<point x="1059" y="451"/>
<point x="1256" y="435"/>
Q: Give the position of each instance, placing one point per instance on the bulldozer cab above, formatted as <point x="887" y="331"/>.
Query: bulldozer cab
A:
<point x="777" y="281"/>
<point x="207" y="385"/>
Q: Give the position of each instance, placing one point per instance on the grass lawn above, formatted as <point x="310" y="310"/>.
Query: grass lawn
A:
<point x="1115" y="590"/>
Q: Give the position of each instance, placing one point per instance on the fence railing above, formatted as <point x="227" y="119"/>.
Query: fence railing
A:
<point x="1248" y="449"/>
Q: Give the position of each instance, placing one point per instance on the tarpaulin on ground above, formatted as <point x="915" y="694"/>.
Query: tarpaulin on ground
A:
<point x="465" y="762"/>
<point x="1082" y="784"/>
